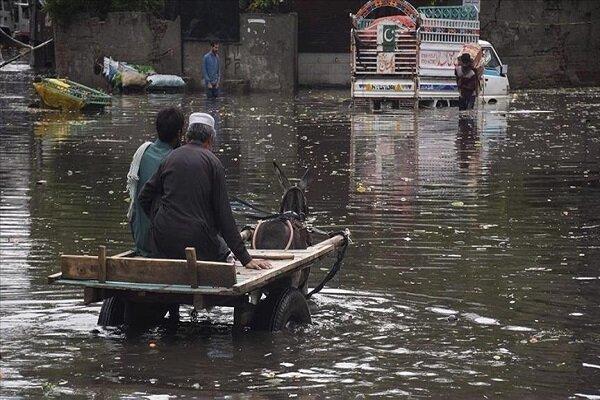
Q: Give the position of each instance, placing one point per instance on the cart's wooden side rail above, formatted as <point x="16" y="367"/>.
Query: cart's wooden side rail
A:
<point x="147" y="270"/>
<point x="249" y="280"/>
<point x="184" y="277"/>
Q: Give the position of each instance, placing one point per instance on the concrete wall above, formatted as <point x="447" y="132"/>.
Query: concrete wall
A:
<point x="231" y="61"/>
<point x="126" y="36"/>
<point x="324" y="69"/>
<point x="268" y="51"/>
<point x="263" y="60"/>
<point x="545" y="42"/>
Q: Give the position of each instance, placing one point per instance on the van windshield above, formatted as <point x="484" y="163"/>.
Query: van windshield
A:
<point x="490" y="60"/>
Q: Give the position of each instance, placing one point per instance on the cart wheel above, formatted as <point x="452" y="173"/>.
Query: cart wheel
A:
<point x="112" y="312"/>
<point x="148" y="314"/>
<point x="281" y="310"/>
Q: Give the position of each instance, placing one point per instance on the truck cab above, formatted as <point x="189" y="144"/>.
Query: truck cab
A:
<point x="494" y="83"/>
<point x="409" y="58"/>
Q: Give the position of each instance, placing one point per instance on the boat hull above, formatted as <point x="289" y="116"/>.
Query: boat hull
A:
<point x="68" y="95"/>
<point x="54" y="99"/>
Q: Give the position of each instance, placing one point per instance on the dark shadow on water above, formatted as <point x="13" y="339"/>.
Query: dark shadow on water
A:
<point x="466" y="140"/>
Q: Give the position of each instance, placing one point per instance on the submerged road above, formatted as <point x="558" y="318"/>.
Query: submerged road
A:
<point x="474" y="270"/>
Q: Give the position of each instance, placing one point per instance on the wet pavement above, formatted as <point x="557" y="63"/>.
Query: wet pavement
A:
<point x="474" y="270"/>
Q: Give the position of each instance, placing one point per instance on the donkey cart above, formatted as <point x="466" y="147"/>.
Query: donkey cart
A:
<point x="137" y="290"/>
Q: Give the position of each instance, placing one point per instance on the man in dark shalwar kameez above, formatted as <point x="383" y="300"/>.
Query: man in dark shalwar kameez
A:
<point x="467" y="81"/>
<point x="187" y="202"/>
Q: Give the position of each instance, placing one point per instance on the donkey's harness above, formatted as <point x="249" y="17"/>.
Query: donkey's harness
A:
<point x="292" y="219"/>
<point x="289" y="218"/>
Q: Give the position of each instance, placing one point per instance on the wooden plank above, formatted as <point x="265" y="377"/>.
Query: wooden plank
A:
<point x="161" y="261"/>
<point x="222" y="276"/>
<point x="102" y="263"/>
<point x="262" y="277"/>
<point x="267" y="255"/>
<point x="149" y="287"/>
<point x="336" y="240"/>
<point x="190" y="254"/>
<point x="141" y="270"/>
<point x="79" y="267"/>
<point x="147" y="270"/>
<point x="172" y="272"/>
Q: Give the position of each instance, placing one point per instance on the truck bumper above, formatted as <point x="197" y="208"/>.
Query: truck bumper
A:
<point x="403" y="89"/>
<point x="383" y="88"/>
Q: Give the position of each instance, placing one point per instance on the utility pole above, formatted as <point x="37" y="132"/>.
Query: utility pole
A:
<point x="33" y="30"/>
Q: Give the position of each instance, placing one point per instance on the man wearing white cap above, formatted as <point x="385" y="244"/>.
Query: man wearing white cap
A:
<point x="187" y="201"/>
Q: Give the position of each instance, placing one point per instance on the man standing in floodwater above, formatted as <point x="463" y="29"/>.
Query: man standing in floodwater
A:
<point x="467" y="81"/>
<point x="147" y="158"/>
<point x="187" y="201"/>
<point x="211" y="70"/>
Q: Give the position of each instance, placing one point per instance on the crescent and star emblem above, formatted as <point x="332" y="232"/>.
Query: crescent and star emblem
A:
<point x="386" y="35"/>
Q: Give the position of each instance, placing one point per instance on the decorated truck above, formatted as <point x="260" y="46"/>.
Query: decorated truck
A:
<point x="406" y="56"/>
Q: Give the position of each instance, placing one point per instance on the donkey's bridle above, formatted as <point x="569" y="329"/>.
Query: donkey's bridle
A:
<point x="302" y="213"/>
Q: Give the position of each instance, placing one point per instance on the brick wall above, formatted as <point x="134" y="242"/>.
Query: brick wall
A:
<point x="263" y="60"/>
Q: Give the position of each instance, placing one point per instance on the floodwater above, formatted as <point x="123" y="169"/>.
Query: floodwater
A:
<point x="473" y="274"/>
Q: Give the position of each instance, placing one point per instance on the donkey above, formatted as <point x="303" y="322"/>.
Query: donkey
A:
<point x="288" y="229"/>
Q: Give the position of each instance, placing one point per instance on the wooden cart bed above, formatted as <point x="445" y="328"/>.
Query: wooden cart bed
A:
<point x="183" y="277"/>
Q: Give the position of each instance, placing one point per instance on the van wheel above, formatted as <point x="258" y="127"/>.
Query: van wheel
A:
<point x="281" y="311"/>
<point x="112" y="312"/>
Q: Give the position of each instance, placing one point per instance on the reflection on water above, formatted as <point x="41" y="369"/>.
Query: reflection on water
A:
<point x="473" y="270"/>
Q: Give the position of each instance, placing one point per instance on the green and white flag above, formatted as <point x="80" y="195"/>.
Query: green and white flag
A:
<point x="386" y="38"/>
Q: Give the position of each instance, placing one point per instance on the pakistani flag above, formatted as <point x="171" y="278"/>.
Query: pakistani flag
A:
<point x="386" y="37"/>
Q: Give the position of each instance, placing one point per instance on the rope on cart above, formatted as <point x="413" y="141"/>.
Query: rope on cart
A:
<point x="337" y="265"/>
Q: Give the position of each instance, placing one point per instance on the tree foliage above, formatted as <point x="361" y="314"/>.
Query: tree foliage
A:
<point x="62" y="11"/>
<point x="262" y="5"/>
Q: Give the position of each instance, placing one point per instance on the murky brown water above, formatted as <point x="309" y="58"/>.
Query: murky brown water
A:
<point x="494" y="219"/>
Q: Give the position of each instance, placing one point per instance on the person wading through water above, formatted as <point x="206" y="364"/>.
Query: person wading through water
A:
<point x="188" y="205"/>
<point x="467" y="81"/>
<point x="147" y="158"/>
<point x="211" y="66"/>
